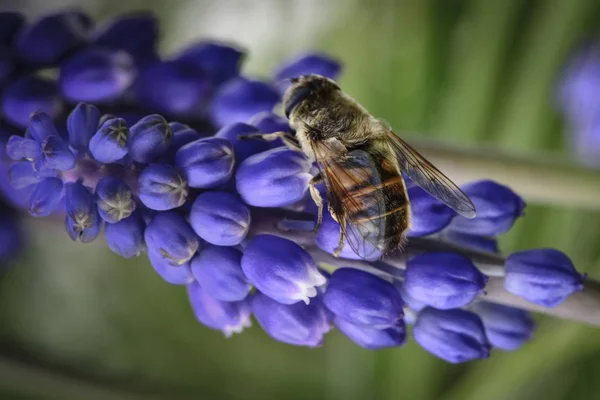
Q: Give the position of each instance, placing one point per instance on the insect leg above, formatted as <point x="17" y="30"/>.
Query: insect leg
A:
<point x="289" y="140"/>
<point x="316" y="196"/>
<point x="340" y="246"/>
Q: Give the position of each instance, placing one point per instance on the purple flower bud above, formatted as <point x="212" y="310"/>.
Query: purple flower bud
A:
<point x="10" y="24"/>
<point x="220" y="218"/>
<point x="48" y="40"/>
<point x="56" y="154"/>
<point x="239" y="99"/>
<point x="82" y="125"/>
<point x="19" y="148"/>
<point x="227" y="317"/>
<point x="115" y="199"/>
<point x="46" y="197"/>
<point x="453" y="335"/>
<point x="363" y="298"/>
<point x="220" y="61"/>
<point x="328" y="237"/>
<point x="243" y="148"/>
<point x="306" y="64"/>
<point x="219" y="270"/>
<point x="97" y="75"/>
<point x="429" y="215"/>
<point x="161" y="187"/>
<point x="133" y="33"/>
<point x="443" y="280"/>
<point x="373" y="338"/>
<point x="80" y="206"/>
<point x="269" y="122"/>
<point x="41" y="126"/>
<point x="150" y="138"/>
<point x="126" y="237"/>
<point x="298" y="324"/>
<point x="169" y="236"/>
<point x="281" y="269"/>
<point x="273" y="178"/>
<point x="27" y="95"/>
<point x="109" y="144"/>
<point x="173" y="274"/>
<point x="206" y="163"/>
<point x="497" y="207"/>
<point x="182" y="135"/>
<point x="83" y="233"/>
<point x="507" y="328"/>
<point x="476" y="242"/>
<point x="542" y="276"/>
<point x="22" y="174"/>
<point x="177" y="88"/>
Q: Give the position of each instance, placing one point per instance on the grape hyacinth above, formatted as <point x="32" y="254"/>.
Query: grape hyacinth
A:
<point x="148" y="150"/>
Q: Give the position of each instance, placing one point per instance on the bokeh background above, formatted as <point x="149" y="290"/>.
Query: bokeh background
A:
<point x="77" y="321"/>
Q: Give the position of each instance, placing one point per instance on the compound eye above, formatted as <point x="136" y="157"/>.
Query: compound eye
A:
<point x="296" y="97"/>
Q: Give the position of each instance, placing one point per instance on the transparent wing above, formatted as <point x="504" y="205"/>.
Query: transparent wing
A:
<point x="429" y="178"/>
<point x="346" y="172"/>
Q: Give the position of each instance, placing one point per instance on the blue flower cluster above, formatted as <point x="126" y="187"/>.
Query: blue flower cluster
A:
<point x="158" y="164"/>
<point x="578" y="101"/>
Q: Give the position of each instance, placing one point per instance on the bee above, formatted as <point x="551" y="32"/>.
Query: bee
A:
<point x="360" y="161"/>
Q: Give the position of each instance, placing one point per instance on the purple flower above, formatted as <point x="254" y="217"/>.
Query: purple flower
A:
<point x="507" y="328"/>
<point x="429" y="215"/>
<point x="175" y="274"/>
<point x="443" y="280"/>
<point x="298" y="324"/>
<point x="219" y="271"/>
<point x="27" y="95"/>
<point x="115" y="199"/>
<point x="149" y="138"/>
<point x="363" y="298"/>
<point x="82" y="124"/>
<point x="220" y="218"/>
<point x="306" y="64"/>
<point x="281" y="269"/>
<point x="109" y="143"/>
<point x="455" y="336"/>
<point x="242" y="148"/>
<point x="161" y="187"/>
<point x="169" y="237"/>
<point x="222" y="62"/>
<point x="126" y="237"/>
<point x="206" y="163"/>
<point x="542" y="276"/>
<point x="228" y="317"/>
<point x="46" y="197"/>
<point x="373" y="338"/>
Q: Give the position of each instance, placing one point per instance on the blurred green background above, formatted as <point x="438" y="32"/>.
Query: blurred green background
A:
<point x="77" y="321"/>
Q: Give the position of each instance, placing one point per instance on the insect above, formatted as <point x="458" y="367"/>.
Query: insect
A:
<point x="361" y="162"/>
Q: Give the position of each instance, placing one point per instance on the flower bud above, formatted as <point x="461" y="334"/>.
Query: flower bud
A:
<point x="173" y="274"/>
<point x="221" y="62"/>
<point x="219" y="270"/>
<point x="84" y="233"/>
<point x="243" y="148"/>
<point x="273" y="178"/>
<point x="169" y="236"/>
<point x="48" y="40"/>
<point x="115" y="200"/>
<point x="97" y="75"/>
<point x="80" y="206"/>
<point x="126" y="237"/>
<point x="161" y="187"/>
<point x="281" y="269"/>
<point x="174" y="87"/>
<point x="228" y="317"/>
<point x="443" y="280"/>
<point x="373" y="338"/>
<point x="109" y="143"/>
<point x="82" y="124"/>
<point x="19" y="148"/>
<point x="220" y="218"/>
<point x="56" y="154"/>
<point x="206" y="163"/>
<point x="135" y="34"/>
<point x="149" y="138"/>
<point x="497" y="207"/>
<point x="507" y="328"/>
<point x="46" y="197"/>
<point x="41" y="126"/>
<point x="542" y="276"/>
<point x="241" y="98"/>
<point x="22" y="174"/>
<point x="363" y="298"/>
<point x="269" y="122"/>
<point x="455" y="335"/>
<point x="428" y="214"/>
<point x="298" y="324"/>
<point x="27" y="95"/>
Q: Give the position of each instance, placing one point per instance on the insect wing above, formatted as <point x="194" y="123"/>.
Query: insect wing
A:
<point x="429" y="178"/>
<point x="357" y="216"/>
